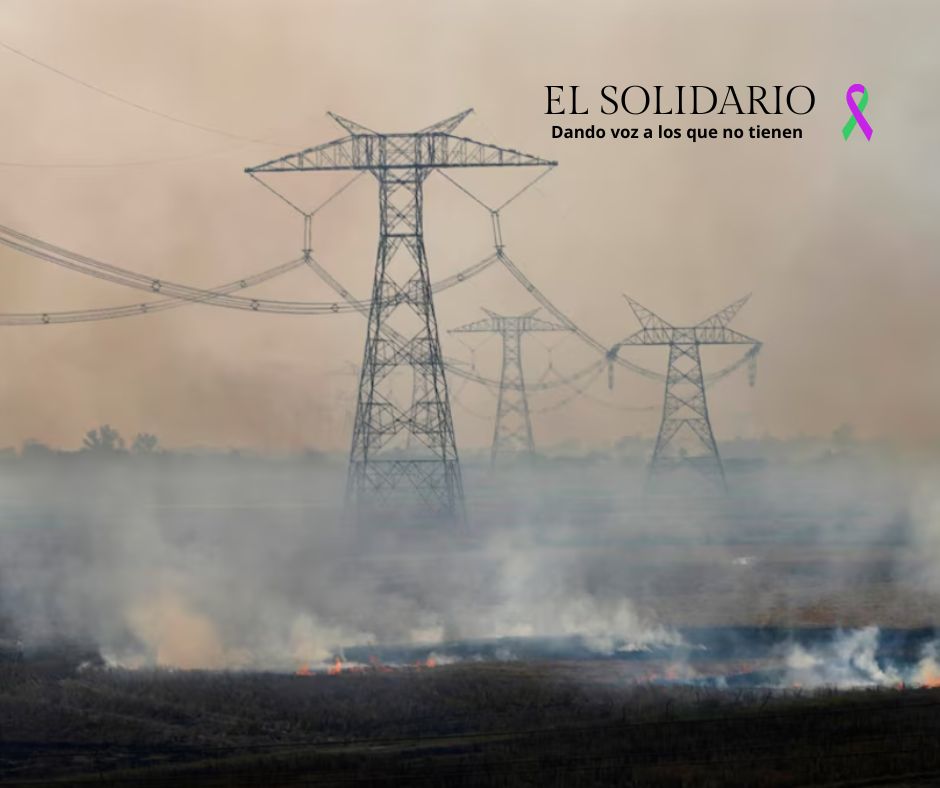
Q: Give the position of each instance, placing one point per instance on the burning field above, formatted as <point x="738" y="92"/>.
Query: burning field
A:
<point x="733" y="657"/>
<point x="540" y="721"/>
<point x="229" y="630"/>
<point x="740" y="706"/>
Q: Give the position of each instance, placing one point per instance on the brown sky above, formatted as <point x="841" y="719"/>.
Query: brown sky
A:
<point x="836" y="239"/>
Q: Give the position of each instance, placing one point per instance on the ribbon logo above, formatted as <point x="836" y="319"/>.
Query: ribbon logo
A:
<point x="857" y="119"/>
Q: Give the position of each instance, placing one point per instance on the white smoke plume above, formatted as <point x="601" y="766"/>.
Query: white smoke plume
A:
<point x="851" y="660"/>
<point x="150" y="568"/>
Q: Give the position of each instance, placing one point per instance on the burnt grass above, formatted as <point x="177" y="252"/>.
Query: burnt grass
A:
<point x="499" y="724"/>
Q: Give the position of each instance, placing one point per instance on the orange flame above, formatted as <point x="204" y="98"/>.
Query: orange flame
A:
<point x="304" y="670"/>
<point x="929" y="676"/>
<point x="336" y="668"/>
<point x="376" y="664"/>
<point x="430" y="662"/>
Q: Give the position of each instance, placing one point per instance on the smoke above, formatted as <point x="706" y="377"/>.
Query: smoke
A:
<point x="925" y="531"/>
<point x="852" y="660"/>
<point x="830" y="213"/>
<point x="543" y="593"/>
<point x="226" y="563"/>
<point x="176" y="635"/>
<point x="849" y="661"/>
<point x="245" y="563"/>
<point x="927" y="673"/>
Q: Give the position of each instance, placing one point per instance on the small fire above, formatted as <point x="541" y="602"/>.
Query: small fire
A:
<point x="375" y="666"/>
<point x="929" y="674"/>
<point x="670" y="674"/>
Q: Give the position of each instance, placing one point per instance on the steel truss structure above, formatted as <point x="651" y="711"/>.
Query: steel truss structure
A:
<point x="403" y="459"/>
<point x="685" y="409"/>
<point x="512" y="434"/>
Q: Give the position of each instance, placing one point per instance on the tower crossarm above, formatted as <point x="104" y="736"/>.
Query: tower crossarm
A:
<point x="647" y="336"/>
<point x="537" y="324"/>
<point x="486" y="325"/>
<point x="706" y="335"/>
<point x="648" y="319"/>
<point x="721" y="318"/>
<point x="679" y="335"/>
<point x="495" y="323"/>
<point x="420" y="150"/>
<point x="448" y="124"/>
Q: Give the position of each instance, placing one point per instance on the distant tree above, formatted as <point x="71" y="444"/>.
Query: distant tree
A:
<point x="144" y="443"/>
<point x="35" y="448"/>
<point x="629" y="443"/>
<point x="843" y="436"/>
<point x="103" y="439"/>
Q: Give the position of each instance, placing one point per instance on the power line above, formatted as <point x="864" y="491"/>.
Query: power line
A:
<point x="34" y="247"/>
<point x="541" y="298"/>
<point x="136" y="105"/>
<point x="103" y="165"/>
<point x="582" y="391"/>
<point x="145" y="307"/>
<point x="179" y="293"/>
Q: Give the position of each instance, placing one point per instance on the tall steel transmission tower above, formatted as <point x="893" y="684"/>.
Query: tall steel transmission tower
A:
<point x="685" y="433"/>
<point x="387" y="477"/>
<point x="512" y="435"/>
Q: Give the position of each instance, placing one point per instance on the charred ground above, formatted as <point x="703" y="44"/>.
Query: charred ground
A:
<point x="467" y="724"/>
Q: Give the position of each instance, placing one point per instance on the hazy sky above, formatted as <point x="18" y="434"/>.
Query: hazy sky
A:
<point x="836" y="239"/>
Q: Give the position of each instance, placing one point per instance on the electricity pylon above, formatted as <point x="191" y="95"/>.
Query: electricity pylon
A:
<point x="419" y="391"/>
<point x="512" y="435"/>
<point x="685" y="418"/>
<point x="385" y="476"/>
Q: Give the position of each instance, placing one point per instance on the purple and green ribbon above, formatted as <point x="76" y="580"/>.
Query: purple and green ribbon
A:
<point x="857" y="119"/>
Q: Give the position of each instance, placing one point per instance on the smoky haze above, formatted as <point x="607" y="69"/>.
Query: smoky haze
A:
<point x="834" y="238"/>
<point x="230" y="562"/>
<point x="242" y="560"/>
<point x="227" y="561"/>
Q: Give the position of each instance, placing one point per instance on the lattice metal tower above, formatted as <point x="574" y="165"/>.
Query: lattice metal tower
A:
<point x="512" y="435"/>
<point x="386" y="477"/>
<point x="685" y="433"/>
